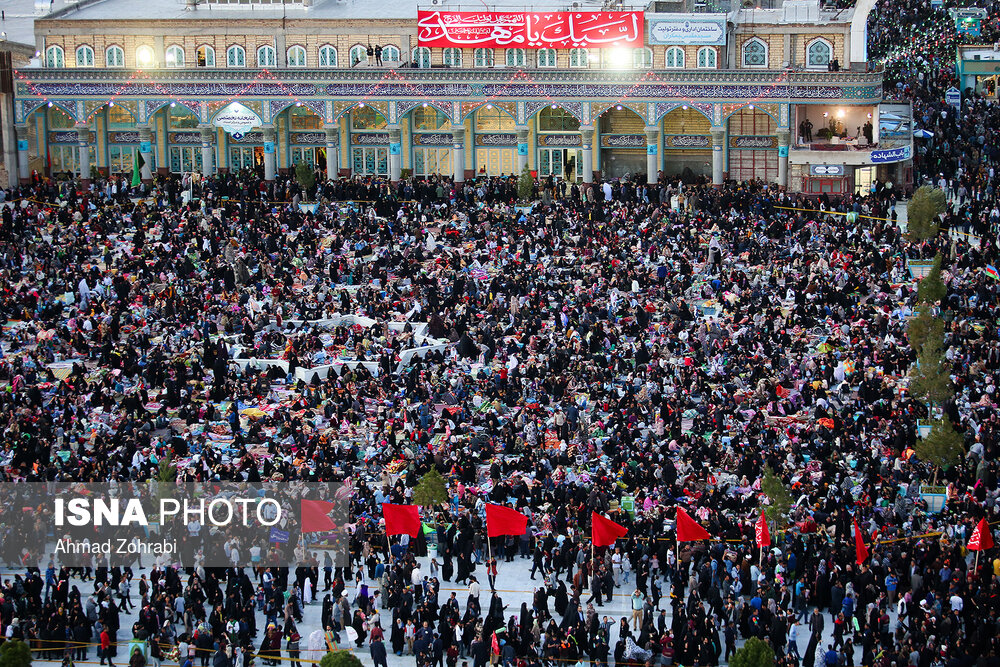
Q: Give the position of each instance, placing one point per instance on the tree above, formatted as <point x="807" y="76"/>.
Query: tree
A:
<point x="525" y="185"/>
<point x="777" y="493"/>
<point x="167" y="471"/>
<point x="922" y="328"/>
<point x="930" y="379"/>
<point x="755" y="653"/>
<point x="431" y="490"/>
<point x="340" y="658"/>
<point x="14" y="653"/>
<point x="306" y="178"/>
<point x="925" y="206"/>
<point x="931" y="289"/>
<point x="942" y="448"/>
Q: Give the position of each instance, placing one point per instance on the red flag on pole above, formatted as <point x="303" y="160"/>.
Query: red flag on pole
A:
<point x="860" y="549"/>
<point x="314" y="516"/>
<point x="502" y="520"/>
<point x="604" y="532"/>
<point x="401" y="519"/>
<point x="689" y="530"/>
<point x="982" y="537"/>
<point x="763" y="534"/>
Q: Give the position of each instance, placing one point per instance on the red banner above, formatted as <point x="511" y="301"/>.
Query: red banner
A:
<point x="549" y="30"/>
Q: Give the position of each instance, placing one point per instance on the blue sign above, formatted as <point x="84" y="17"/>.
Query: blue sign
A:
<point x="279" y="536"/>
<point x="782" y="151"/>
<point x="651" y="149"/>
<point x="890" y="155"/>
<point x="22" y="144"/>
<point x="953" y="96"/>
<point x="268" y="146"/>
<point x="522" y="149"/>
<point x="145" y="147"/>
<point x="395" y="149"/>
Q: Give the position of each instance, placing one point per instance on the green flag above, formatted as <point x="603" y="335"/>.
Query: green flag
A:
<point x="137" y="164"/>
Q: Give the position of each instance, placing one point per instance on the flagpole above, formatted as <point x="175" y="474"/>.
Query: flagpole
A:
<point x="977" y="562"/>
<point x="388" y="546"/>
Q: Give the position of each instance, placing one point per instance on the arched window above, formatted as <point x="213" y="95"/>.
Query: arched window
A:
<point x="236" y="57"/>
<point x="422" y="57"/>
<point x="114" y="56"/>
<point x="390" y="53"/>
<point x="819" y="53"/>
<point x="755" y="53"/>
<point x="358" y="54"/>
<point x="557" y="120"/>
<point x="707" y="58"/>
<point x="675" y="58"/>
<point x="366" y="118"/>
<point x="483" y="57"/>
<point x="642" y="58"/>
<point x="515" y="57"/>
<point x="428" y="119"/>
<point x="546" y="57"/>
<point x="327" y="56"/>
<point x="266" y="57"/>
<point x="144" y="56"/>
<point x="578" y="57"/>
<point x="296" y="56"/>
<point x="452" y="57"/>
<point x="54" y="57"/>
<point x="175" y="56"/>
<point x="206" y="56"/>
<point x="84" y="56"/>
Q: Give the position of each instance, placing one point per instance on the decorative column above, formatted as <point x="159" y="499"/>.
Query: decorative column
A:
<point x="458" y="152"/>
<point x="23" y="172"/>
<point x="207" y="151"/>
<point x="395" y="153"/>
<point x="587" y="142"/>
<point x="146" y="151"/>
<point x="718" y="144"/>
<point x="652" y="154"/>
<point x="332" y="134"/>
<point x="269" y="153"/>
<point x="522" y="148"/>
<point x="784" y="139"/>
<point x="83" y="141"/>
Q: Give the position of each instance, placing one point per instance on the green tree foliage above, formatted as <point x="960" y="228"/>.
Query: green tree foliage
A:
<point x="755" y="653"/>
<point x="306" y="178"/>
<point x="930" y="380"/>
<point x="525" y="185"/>
<point x="777" y="493"/>
<point x="924" y="327"/>
<point x="167" y="471"/>
<point x="14" y="653"/>
<point x="925" y="206"/>
<point x="340" y="659"/>
<point x="931" y="289"/>
<point x="431" y="490"/>
<point x="942" y="448"/>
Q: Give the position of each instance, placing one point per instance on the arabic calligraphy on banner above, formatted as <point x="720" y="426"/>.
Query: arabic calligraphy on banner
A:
<point x="687" y="31"/>
<point x="559" y="140"/>
<point x="762" y="142"/>
<point x="370" y="138"/>
<point x="123" y="137"/>
<point x="687" y="141"/>
<point x="496" y="139"/>
<point x="529" y="30"/>
<point x="432" y="139"/>
<point x="623" y="140"/>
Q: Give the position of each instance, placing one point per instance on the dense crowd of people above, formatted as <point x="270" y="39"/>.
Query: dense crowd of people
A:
<point x="621" y="348"/>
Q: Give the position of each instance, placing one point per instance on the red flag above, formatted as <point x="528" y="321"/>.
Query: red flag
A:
<point x="763" y="534"/>
<point x="859" y="544"/>
<point x="401" y="519"/>
<point x="982" y="537"/>
<point x="502" y="520"/>
<point x="314" y="516"/>
<point x="604" y="532"/>
<point x="689" y="530"/>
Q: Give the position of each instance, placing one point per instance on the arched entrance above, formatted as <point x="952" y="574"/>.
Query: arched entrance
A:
<point x="183" y="139"/>
<point x="495" y="141"/>
<point x="559" y="144"/>
<point x="623" y="142"/>
<point x="369" y="142"/>
<point x="306" y="137"/>
<point x="430" y="141"/>
<point x="753" y="145"/>
<point x="687" y="143"/>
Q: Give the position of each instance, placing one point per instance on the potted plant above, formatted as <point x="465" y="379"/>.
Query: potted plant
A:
<point x="306" y="178"/>
<point x="431" y="491"/>
<point x="823" y="134"/>
<point x="525" y="190"/>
